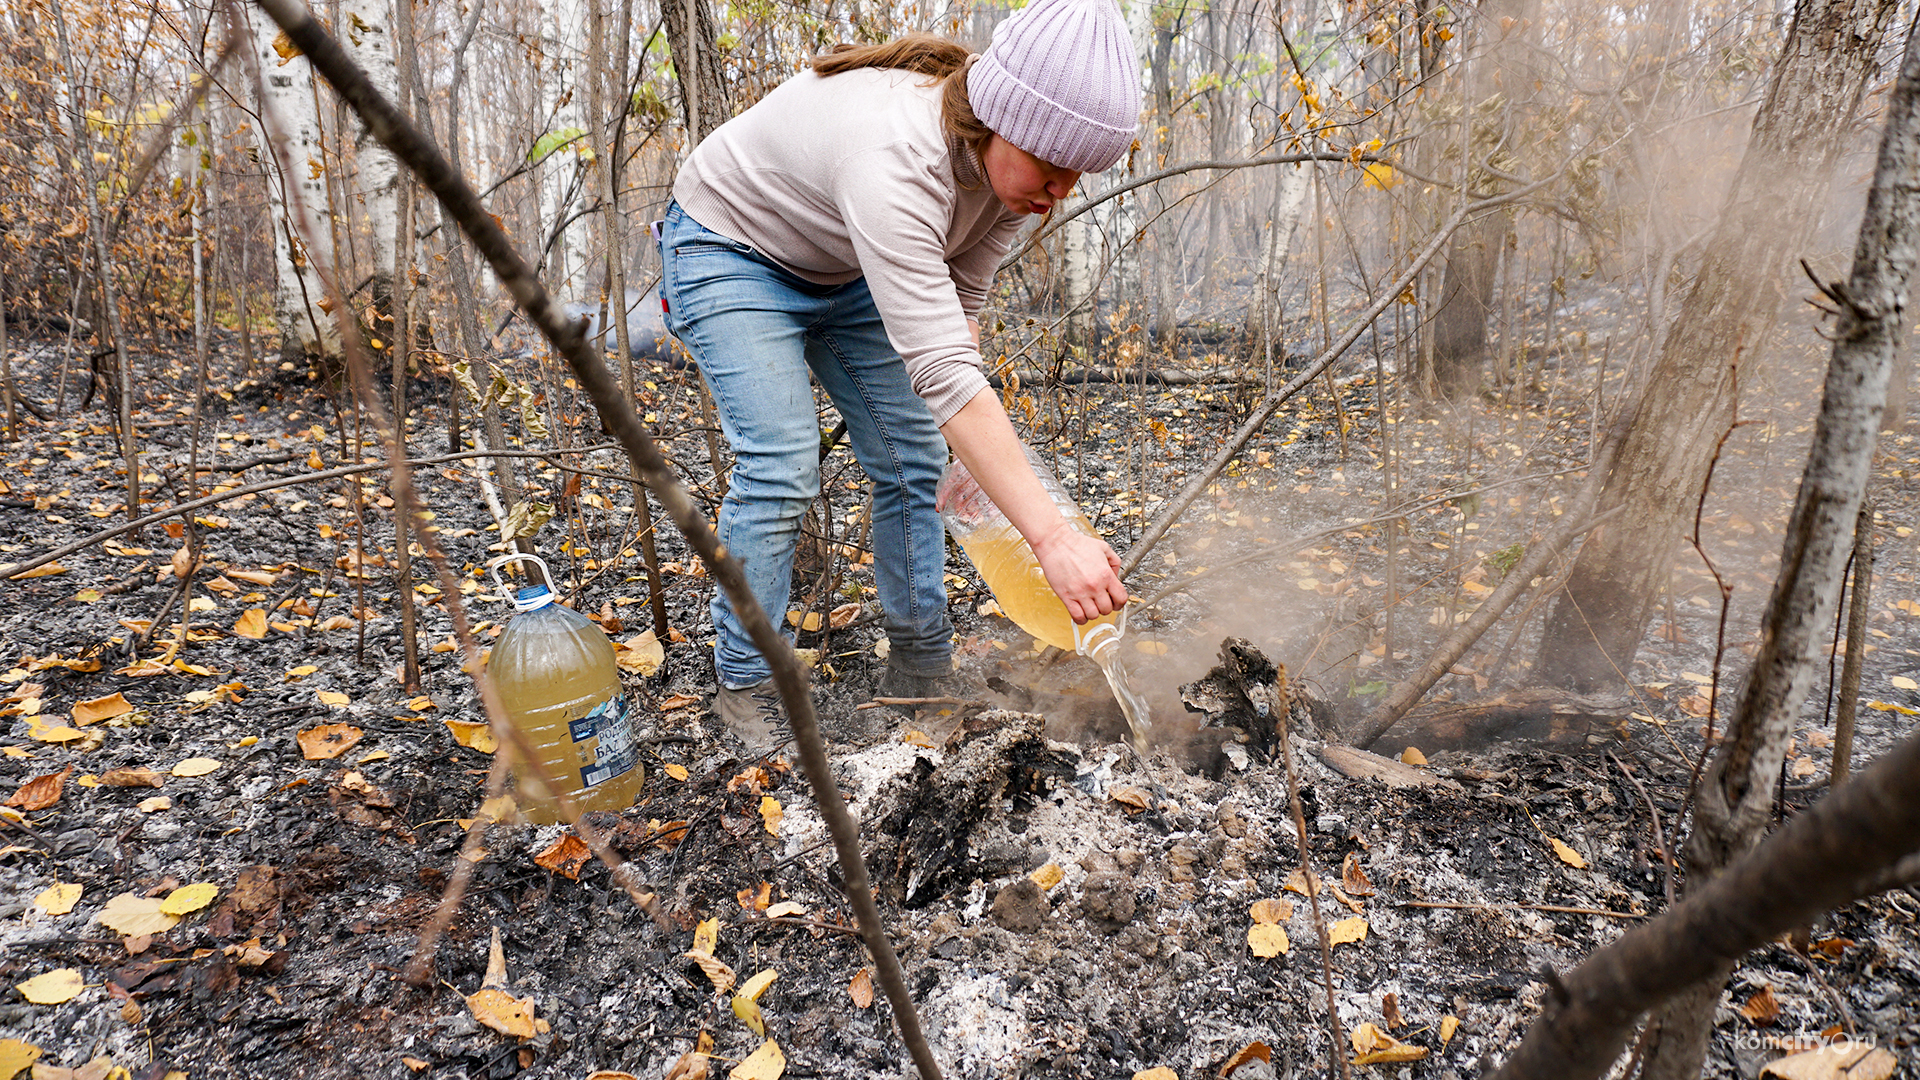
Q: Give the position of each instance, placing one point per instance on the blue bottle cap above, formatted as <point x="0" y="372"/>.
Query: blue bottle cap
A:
<point x="531" y="598"/>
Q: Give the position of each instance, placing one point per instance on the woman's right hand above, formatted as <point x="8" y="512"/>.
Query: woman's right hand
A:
<point x="1083" y="571"/>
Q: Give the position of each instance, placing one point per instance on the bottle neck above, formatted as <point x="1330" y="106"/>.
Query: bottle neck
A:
<point x="1098" y="642"/>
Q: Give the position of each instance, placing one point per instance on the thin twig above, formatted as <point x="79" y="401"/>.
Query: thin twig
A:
<point x="1335" y="1030"/>
<point x="1659" y="838"/>
<point x="1555" y="908"/>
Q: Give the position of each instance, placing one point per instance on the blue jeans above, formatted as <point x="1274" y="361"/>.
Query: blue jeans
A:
<point x="756" y="331"/>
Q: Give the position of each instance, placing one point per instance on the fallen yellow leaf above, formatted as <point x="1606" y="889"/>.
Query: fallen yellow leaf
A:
<point x="1347" y="931"/>
<point x="101" y="708"/>
<point x="748" y="1013"/>
<point x="189" y="898"/>
<point x="58" y="899"/>
<point x="675" y="770"/>
<point x="770" y="814"/>
<point x="1158" y="1072"/>
<point x="1268" y="940"/>
<point x="1567" y="854"/>
<point x="766" y="1063"/>
<point x="16" y="1055"/>
<point x="1396" y="1054"/>
<point x="754" y="987"/>
<point x="705" y="936"/>
<point x="1901" y="682"/>
<point x="252" y="623"/>
<point x="196" y="766"/>
<point x="1448" y="1025"/>
<point x="473" y="736"/>
<point x="1048" y="876"/>
<point x="39" y="571"/>
<point x="641" y="655"/>
<point x="335" y="699"/>
<point x="327" y="741"/>
<point x="131" y="914"/>
<point x="54" y="733"/>
<point x="1269" y="911"/>
<point x="1366" y="1036"/>
<point x="785" y="908"/>
<point x="155" y="804"/>
<point x="62" y="984"/>
<point x="505" y="1013"/>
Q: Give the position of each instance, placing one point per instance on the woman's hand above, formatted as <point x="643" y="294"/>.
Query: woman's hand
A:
<point x="1083" y="570"/>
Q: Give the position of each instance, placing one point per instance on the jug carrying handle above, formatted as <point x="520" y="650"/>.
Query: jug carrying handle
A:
<point x="494" y="566"/>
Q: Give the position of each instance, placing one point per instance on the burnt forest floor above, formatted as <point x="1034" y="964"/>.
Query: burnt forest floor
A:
<point x="1131" y="947"/>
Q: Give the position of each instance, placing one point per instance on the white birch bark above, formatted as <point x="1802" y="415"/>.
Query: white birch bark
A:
<point x="366" y="32"/>
<point x="296" y="202"/>
<point x="564" y="188"/>
<point x="1289" y="198"/>
<point x="1076" y="274"/>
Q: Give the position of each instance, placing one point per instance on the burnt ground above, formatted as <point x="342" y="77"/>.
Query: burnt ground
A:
<point x="1136" y="955"/>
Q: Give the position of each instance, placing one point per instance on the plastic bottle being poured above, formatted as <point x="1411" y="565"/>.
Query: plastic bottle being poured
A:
<point x="1020" y="587"/>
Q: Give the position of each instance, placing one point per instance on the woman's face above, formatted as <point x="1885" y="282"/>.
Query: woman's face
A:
<point x="1022" y="182"/>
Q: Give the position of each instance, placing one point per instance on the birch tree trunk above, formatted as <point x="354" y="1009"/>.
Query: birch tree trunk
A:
<point x="294" y="203"/>
<point x="1596" y="624"/>
<point x="565" y="191"/>
<point x="367" y="33"/>
<point x="1076" y="275"/>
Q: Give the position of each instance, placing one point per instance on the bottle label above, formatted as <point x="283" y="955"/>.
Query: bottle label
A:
<point x="615" y="753"/>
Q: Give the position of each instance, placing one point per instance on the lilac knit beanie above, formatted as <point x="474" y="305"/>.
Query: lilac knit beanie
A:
<point x="1061" y="82"/>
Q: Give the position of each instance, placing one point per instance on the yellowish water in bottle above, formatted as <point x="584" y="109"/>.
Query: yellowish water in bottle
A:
<point x="555" y="680"/>
<point x="1007" y="565"/>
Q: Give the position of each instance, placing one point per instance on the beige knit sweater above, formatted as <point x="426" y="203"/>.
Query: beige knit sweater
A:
<point x="850" y="175"/>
